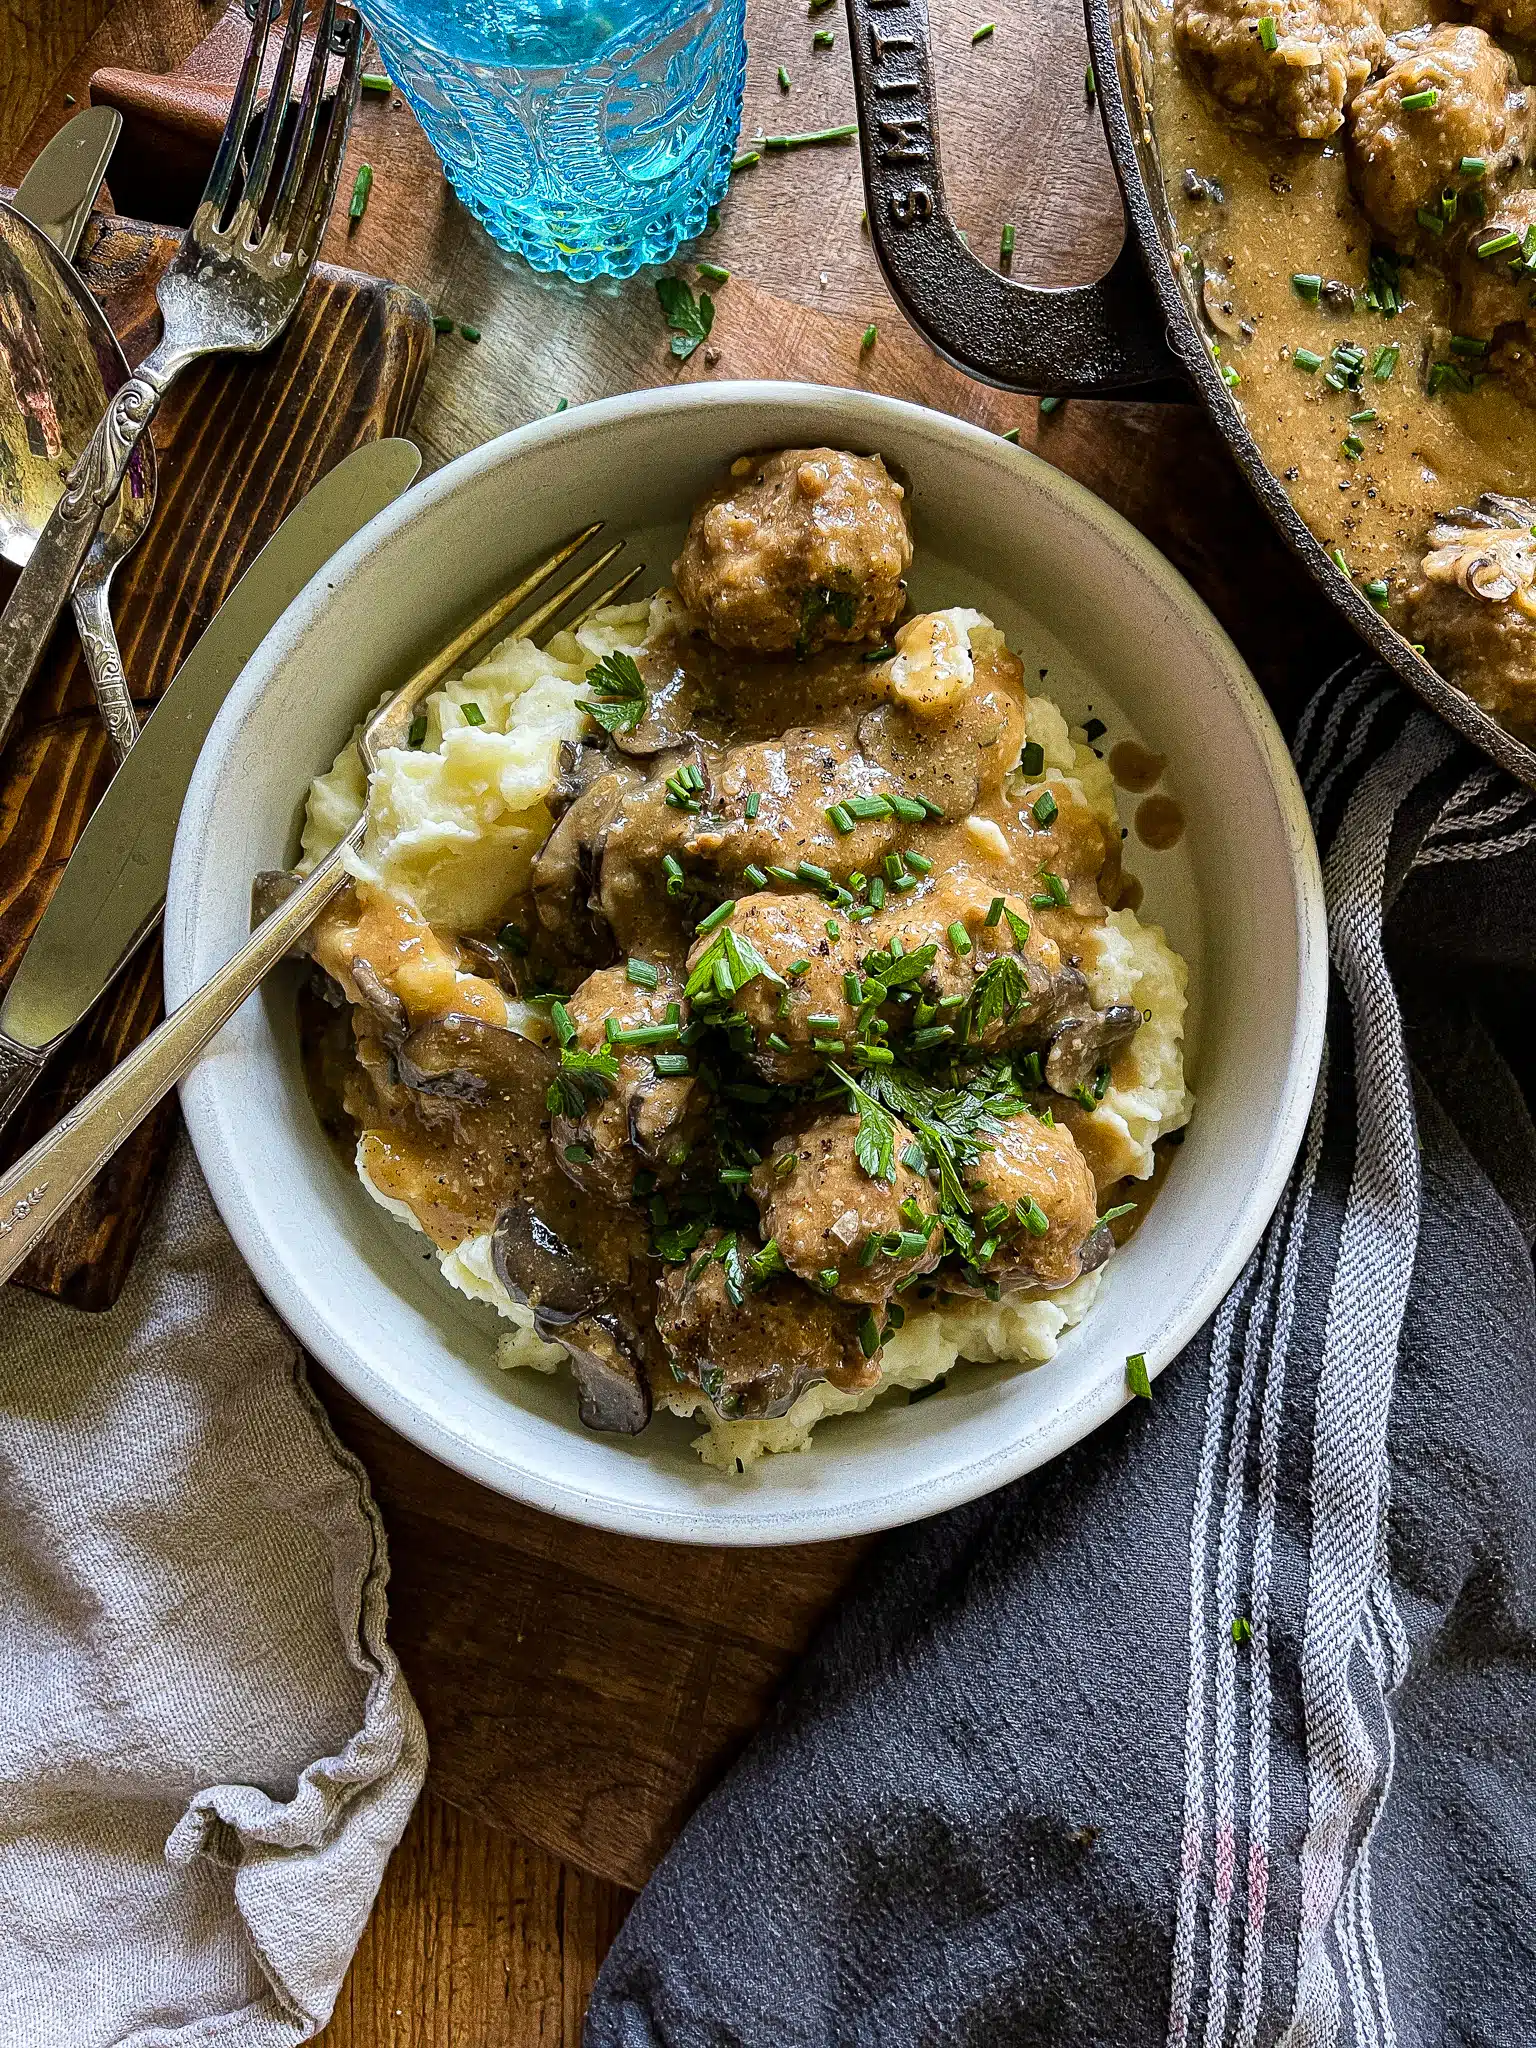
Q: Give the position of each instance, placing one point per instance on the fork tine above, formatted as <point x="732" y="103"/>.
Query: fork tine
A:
<point x="609" y="596"/>
<point x="309" y="115"/>
<point x="312" y="201"/>
<point x="227" y="157"/>
<point x="259" y="175"/>
<point x="535" y="621"/>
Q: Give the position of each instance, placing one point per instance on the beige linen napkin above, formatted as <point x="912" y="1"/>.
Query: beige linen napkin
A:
<point x="207" y="1749"/>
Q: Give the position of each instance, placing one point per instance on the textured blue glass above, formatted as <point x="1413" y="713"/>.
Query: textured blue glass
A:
<point x="591" y="136"/>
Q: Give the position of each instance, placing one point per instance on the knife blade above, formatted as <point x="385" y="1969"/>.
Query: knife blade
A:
<point x="58" y="192"/>
<point x="112" y="890"/>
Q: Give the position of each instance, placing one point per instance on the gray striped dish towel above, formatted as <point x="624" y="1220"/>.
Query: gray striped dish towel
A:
<point x="1221" y="1729"/>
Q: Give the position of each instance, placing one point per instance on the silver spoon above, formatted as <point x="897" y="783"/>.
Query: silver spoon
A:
<point x="60" y="363"/>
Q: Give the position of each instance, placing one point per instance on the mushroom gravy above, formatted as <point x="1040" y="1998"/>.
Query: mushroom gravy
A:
<point x="1375" y="422"/>
<point x="790" y="1035"/>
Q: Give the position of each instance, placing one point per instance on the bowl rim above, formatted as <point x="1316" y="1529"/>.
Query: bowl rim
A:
<point x="756" y="1523"/>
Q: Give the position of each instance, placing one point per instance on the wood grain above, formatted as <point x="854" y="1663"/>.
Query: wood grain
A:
<point x="238" y="442"/>
<point x="478" y="1941"/>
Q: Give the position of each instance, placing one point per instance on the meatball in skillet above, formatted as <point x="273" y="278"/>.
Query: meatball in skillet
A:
<point x="1493" y="295"/>
<point x="797" y="549"/>
<point x="1450" y="92"/>
<point x="1323" y="52"/>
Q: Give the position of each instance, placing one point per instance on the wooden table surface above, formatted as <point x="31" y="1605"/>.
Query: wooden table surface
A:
<point x="479" y="1937"/>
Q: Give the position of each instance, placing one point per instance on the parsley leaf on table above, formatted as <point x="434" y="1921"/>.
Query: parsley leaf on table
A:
<point x="690" y="318"/>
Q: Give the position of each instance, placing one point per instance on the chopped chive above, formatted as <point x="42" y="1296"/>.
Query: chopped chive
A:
<point x="1336" y="556"/>
<point x="776" y="1043"/>
<point x="1048" y="405"/>
<point x="362" y="185"/>
<point x="907" y="808"/>
<point x="560" y="1017"/>
<point x="1307" y="285"/>
<point x="1305" y="359"/>
<point x="783" y="79"/>
<point x="1467" y="345"/>
<point x="785" y="875"/>
<point x="808" y="871"/>
<point x="669" y="1064"/>
<point x="715" y="272"/>
<point x="1352" y="445"/>
<point x="895" y="867"/>
<point x="994" y="911"/>
<point x="930" y="1036"/>
<point x="1433" y="222"/>
<point x="822" y="39"/>
<point x="473" y="715"/>
<point x="812" y="136"/>
<point x="959" y="937"/>
<point x="376" y="81"/>
<point x="641" y="973"/>
<point x="1044" y="808"/>
<point x="869" y="1335"/>
<point x="867" y="338"/>
<point x="418" y="730"/>
<point x="1377" y="591"/>
<point x="747" y="159"/>
<point x="561" y="404"/>
<point x="1267" y="34"/>
<point x="1090" y="83"/>
<point x="1384" y="362"/>
<point x="674" y="874"/>
<point x="798" y="967"/>
<point x="753" y="873"/>
<point x="442" y="324"/>
<point x="754" y="801"/>
<point x="1006" y="246"/>
<point x="1136" y="1376"/>
<point x="1357" y="419"/>
<point x="646" y="1034"/>
<point x="877" y="893"/>
<point x="832" y="928"/>
<point x="869" y="1251"/>
<point x="1497" y="244"/>
<point x="1013" y="433"/>
<point x="980" y="35"/>
<point x="1473" y="166"/>
<point x="1055" y="889"/>
<point x="867" y="807"/>
<point x="717" y="916"/>
<point x="920" y="861"/>
<point x="932" y="811"/>
<point x="469" y="333"/>
<point x="1417" y="102"/>
<point x="882" y="653"/>
<point x="838" y="818"/>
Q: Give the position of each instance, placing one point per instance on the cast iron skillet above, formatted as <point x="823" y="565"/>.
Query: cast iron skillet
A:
<point x="1134" y="331"/>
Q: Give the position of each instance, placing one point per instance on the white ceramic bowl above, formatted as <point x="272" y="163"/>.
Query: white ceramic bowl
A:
<point x="1083" y="597"/>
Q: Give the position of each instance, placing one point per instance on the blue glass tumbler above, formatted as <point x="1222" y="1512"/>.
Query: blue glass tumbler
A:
<point x="590" y="136"/>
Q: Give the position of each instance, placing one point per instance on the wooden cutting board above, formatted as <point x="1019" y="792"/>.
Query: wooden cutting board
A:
<point x="239" y="441"/>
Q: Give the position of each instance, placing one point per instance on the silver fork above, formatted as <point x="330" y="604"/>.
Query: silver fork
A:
<point x="45" y="1180"/>
<point x="229" y="288"/>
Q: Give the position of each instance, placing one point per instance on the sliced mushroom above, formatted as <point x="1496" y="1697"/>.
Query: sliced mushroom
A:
<point x="1081" y="1045"/>
<point x="468" y="1059"/>
<point x="1219" y="310"/>
<point x="381" y="1003"/>
<point x="565" y="870"/>
<point x="570" y="1304"/>
<point x="579" y="766"/>
<point x="1487" y="550"/>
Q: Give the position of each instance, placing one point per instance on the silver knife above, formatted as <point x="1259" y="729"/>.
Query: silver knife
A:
<point x="112" y="890"/>
<point x="58" y="192"/>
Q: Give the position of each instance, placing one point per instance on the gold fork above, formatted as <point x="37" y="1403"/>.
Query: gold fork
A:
<point x="46" y="1179"/>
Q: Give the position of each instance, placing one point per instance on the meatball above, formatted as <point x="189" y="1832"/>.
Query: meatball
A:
<point x="795" y="550"/>
<point x="1324" y="51"/>
<point x="827" y="1215"/>
<point x="1035" y="1174"/>
<point x="641" y="1118"/>
<point x="753" y="1349"/>
<point x="1493" y="293"/>
<point x="1472" y="606"/>
<point x="1403" y="157"/>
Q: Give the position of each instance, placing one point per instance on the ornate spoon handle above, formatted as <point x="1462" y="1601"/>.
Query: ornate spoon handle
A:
<point x="43" y="588"/>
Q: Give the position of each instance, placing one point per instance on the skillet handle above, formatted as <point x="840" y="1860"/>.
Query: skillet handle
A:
<point x="1077" y="341"/>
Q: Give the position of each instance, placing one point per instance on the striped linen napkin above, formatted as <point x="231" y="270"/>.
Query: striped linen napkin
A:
<point x="1219" y="1729"/>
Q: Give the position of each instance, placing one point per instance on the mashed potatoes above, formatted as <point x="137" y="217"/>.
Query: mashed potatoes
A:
<point x="454" y="823"/>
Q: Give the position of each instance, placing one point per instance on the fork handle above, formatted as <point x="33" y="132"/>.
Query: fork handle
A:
<point x="44" y="1181"/>
<point x="43" y="588"/>
<point x="104" y="659"/>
